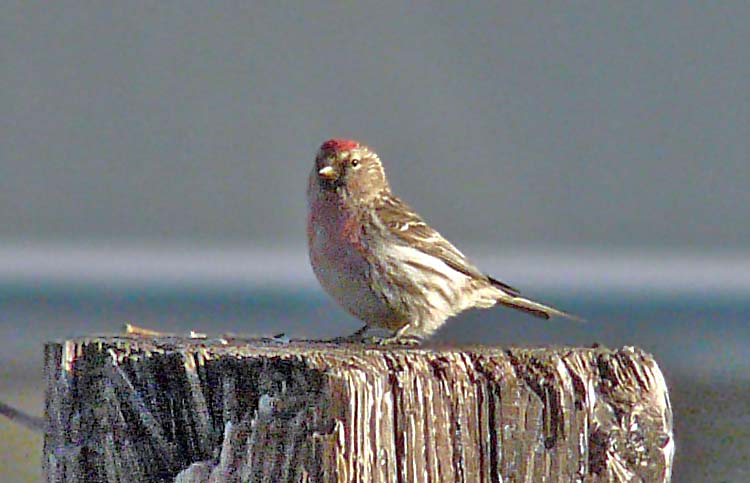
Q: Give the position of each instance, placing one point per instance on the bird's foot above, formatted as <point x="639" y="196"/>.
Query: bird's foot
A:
<point x="406" y="336"/>
<point x="398" y="340"/>
<point x="356" y="337"/>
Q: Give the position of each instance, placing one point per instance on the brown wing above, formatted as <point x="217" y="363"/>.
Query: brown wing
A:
<point x="406" y="227"/>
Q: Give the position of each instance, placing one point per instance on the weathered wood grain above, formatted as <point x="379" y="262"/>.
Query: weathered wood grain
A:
<point x="125" y="409"/>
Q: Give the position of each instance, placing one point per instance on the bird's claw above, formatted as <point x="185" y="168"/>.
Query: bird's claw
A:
<point x="401" y="341"/>
<point x="356" y="337"/>
<point x="398" y="340"/>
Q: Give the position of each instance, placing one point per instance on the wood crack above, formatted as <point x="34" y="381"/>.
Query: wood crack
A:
<point x="133" y="409"/>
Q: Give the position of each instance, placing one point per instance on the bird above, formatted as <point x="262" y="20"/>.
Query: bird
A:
<point x="381" y="261"/>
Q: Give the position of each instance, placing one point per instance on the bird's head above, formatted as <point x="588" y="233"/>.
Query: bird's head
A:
<point x="350" y="169"/>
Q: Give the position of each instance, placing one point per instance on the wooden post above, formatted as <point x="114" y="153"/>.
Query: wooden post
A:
<point x="123" y="409"/>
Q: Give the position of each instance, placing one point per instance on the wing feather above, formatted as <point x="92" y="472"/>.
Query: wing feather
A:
<point x="404" y="226"/>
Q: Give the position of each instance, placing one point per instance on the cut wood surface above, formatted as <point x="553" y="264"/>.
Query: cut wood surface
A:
<point x="126" y="409"/>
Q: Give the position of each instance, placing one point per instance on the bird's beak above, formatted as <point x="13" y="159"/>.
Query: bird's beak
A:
<point x="327" y="172"/>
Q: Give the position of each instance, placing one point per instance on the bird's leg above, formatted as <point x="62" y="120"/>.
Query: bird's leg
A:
<point x="357" y="336"/>
<point x="360" y="332"/>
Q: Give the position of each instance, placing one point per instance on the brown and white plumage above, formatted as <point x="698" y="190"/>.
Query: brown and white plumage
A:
<point x="380" y="260"/>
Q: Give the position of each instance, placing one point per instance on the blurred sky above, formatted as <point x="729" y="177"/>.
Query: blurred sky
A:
<point x="605" y="124"/>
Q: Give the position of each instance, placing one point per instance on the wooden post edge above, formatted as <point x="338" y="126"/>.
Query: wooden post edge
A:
<point x="127" y="409"/>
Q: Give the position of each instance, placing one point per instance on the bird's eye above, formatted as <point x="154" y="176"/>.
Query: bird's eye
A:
<point x="355" y="163"/>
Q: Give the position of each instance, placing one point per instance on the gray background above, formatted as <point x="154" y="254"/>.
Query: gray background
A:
<point x="568" y="124"/>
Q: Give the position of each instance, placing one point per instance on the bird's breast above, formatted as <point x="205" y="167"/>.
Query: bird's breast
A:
<point x="333" y="231"/>
<point x="339" y="260"/>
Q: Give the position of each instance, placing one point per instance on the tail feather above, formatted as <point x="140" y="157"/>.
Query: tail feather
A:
<point x="510" y="290"/>
<point x="534" y="308"/>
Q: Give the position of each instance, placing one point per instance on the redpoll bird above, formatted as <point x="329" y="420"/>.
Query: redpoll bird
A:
<point x="379" y="259"/>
